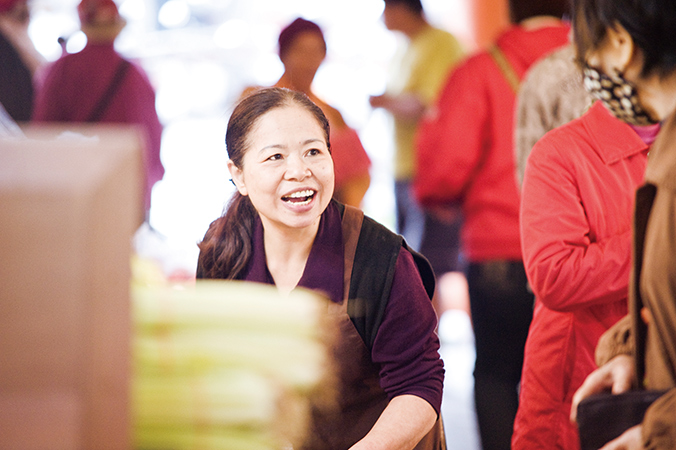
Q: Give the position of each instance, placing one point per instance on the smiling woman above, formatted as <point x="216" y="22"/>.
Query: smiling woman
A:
<point x="283" y="228"/>
<point x="288" y="172"/>
<point x="267" y="165"/>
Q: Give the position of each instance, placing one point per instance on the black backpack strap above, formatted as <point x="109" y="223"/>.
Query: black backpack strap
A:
<point x="115" y="83"/>
<point x="371" y="271"/>
<point x="425" y="270"/>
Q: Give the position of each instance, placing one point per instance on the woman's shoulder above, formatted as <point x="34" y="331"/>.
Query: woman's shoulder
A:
<point x="332" y="114"/>
<point x="379" y="249"/>
<point x="375" y="242"/>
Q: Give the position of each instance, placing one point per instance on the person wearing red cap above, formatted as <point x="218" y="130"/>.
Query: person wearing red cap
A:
<point x="302" y="50"/>
<point x="99" y="85"/>
<point x="20" y="60"/>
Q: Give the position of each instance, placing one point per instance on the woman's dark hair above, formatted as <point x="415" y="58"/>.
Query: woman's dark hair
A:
<point x="523" y="9"/>
<point x="651" y="24"/>
<point x="226" y="248"/>
<point x="293" y="30"/>
<point x="414" y="5"/>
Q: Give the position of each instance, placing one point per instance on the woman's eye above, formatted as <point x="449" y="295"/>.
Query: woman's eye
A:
<point x="275" y="157"/>
<point x="314" y="152"/>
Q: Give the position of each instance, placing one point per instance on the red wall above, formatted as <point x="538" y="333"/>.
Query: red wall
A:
<point x="489" y="17"/>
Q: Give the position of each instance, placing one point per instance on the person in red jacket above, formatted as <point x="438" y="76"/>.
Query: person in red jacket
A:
<point x="465" y="151"/>
<point x="576" y="209"/>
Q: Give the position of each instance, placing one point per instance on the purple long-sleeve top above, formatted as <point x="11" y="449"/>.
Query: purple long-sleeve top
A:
<point x="406" y="347"/>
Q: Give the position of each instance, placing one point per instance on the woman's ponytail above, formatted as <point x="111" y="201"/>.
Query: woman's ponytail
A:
<point x="226" y="248"/>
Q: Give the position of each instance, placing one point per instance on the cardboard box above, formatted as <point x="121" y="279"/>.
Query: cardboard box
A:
<point x="68" y="209"/>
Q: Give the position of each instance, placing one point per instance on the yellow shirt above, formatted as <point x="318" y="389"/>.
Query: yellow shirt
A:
<point x="420" y="67"/>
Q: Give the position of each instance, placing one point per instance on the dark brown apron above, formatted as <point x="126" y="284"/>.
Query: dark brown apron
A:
<point x="361" y="399"/>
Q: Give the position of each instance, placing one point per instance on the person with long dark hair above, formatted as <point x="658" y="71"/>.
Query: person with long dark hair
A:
<point x="282" y="227"/>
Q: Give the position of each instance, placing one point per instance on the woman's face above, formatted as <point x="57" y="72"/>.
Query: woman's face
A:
<point x="305" y="55"/>
<point x="287" y="170"/>
<point x="394" y="15"/>
<point x="613" y="75"/>
<point x="611" y="55"/>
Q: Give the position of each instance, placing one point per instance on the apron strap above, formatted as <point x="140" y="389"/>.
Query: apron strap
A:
<point x="351" y="226"/>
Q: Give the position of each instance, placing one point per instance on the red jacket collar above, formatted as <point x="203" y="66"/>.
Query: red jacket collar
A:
<point x="614" y="139"/>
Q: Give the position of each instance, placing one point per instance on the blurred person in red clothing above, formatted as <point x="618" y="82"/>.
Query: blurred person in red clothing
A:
<point x="465" y="153"/>
<point x="99" y="85"/>
<point x="302" y="50"/>
<point x="628" y="54"/>
<point x="576" y="209"/>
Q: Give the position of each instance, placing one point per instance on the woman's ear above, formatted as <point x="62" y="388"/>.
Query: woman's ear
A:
<point x="237" y="177"/>
<point x="622" y="45"/>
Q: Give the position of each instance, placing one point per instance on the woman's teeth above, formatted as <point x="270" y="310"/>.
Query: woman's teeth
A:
<point x="300" y="197"/>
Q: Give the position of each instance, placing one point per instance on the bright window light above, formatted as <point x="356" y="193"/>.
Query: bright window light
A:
<point x="174" y="14"/>
<point x="45" y="30"/>
<point x="76" y="42"/>
<point x="133" y="10"/>
<point x="232" y="34"/>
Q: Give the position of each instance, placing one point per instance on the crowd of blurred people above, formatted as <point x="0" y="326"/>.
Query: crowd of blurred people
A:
<point x="541" y="167"/>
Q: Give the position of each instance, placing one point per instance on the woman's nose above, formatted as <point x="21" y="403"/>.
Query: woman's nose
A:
<point x="297" y="169"/>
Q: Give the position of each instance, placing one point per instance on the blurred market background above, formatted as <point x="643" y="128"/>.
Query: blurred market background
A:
<point x="201" y="54"/>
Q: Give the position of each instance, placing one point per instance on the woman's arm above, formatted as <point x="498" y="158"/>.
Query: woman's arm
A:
<point x="568" y="266"/>
<point x="403" y="423"/>
<point x="353" y="191"/>
<point x="632" y="439"/>
<point x="405" y="107"/>
<point x="351" y="165"/>
<point x="411" y="370"/>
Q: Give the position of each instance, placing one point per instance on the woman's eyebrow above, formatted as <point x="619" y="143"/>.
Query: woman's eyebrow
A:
<point x="282" y="146"/>
<point x="271" y="147"/>
<point x="310" y="141"/>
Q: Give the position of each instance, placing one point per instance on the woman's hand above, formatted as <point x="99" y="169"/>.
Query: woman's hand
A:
<point x="616" y="375"/>
<point x="632" y="439"/>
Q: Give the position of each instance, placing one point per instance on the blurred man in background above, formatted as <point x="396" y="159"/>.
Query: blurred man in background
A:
<point x="417" y="75"/>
